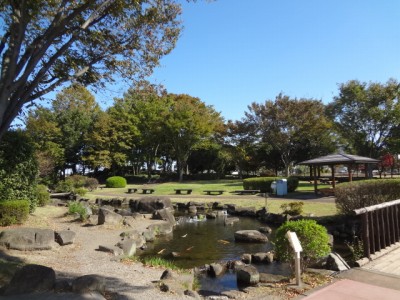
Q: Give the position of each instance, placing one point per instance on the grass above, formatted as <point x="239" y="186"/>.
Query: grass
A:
<point x="155" y="262"/>
<point x="257" y="201"/>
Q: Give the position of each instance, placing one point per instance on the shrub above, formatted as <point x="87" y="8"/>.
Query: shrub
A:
<point x="80" y="191"/>
<point x="66" y="186"/>
<point x="42" y="195"/>
<point x="13" y="212"/>
<point x="292" y="208"/>
<point x="313" y="239"/>
<point x="75" y="207"/>
<point x="358" y="194"/>
<point x="116" y="182"/>
<point x="259" y="183"/>
<point x="91" y="183"/>
<point x="292" y="183"/>
<point x="78" y="181"/>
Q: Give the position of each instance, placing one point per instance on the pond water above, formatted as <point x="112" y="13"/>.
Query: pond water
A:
<point x="204" y="242"/>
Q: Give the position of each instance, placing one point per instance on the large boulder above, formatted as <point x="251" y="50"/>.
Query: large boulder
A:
<point x="165" y="214"/>
<point x="247" y="275"/>
<point x="31" y="278"/>
<point x="108" y="217"/>
<point x="135" y="236"/>
<point x="150" y="204"/>
<point x="217" y="269"/>
<point x="89" y="283"/>
<point x="27" y="239"/>
<point x="161" y="229"/>
<point x="65" y="237"/>
<point x="335" y="262"/>
<point x="250" y="236"/>
<point x="128" y="247"/>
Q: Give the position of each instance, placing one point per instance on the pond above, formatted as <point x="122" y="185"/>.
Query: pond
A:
<point x="198" y="243"/>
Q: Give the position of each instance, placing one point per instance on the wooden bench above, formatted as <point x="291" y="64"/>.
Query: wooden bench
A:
<point x="246" y="192"/>
<point x="147" y="191"/>
<point x="214" y="192"/>
<point x="132" y="190"/>
<point x="179" y="191"/>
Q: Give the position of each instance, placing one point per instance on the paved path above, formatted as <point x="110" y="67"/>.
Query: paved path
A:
<point x="388" y="263"/>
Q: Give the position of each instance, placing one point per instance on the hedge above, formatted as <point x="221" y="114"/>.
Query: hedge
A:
<point x="116" y="182"/>
<point x="358" y="194"/>
<point x="13" y="212"/>
<point x="264" y="183"/>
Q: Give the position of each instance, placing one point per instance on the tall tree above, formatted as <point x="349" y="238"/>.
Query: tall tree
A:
<point x="45" y="44"/>
<point x="294" y="128"/>
<point x="188" y="122"/>
<point x="367" y="115"/>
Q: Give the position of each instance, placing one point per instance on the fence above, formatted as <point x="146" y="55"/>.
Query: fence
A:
<point x="380" y="226"/>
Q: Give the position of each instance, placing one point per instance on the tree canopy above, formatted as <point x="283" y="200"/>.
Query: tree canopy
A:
<point x="45" y="44"/>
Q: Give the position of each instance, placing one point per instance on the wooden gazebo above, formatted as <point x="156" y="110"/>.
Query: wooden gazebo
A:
<point x="333" y="160"/>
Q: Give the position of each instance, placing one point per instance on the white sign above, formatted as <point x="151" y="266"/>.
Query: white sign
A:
<point x="294" y="241"/>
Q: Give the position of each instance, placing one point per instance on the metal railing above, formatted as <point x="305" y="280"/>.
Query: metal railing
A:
<point x="380" y="226"/>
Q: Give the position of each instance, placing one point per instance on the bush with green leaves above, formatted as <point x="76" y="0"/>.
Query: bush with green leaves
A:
<point x="75" y="207"/>
<point x="18" y="168"/>
<point x="313" y="238"/>
<point x="13" y="212"/>
<point x="292" y="208"/>
<point x="116" y="182"/>
<point x="292" y="183"/>
<point x="77" y="184"/>
<point x="80" y="191"/>
<point x="42" y="195"/>
<point x="357" y="194"/>
<point x="91" y="183"/>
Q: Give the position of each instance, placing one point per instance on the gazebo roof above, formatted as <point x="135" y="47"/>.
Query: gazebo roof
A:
<point x="338" y="159"/>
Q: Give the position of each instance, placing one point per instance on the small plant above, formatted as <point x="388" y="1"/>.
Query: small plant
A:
<point x="154" y="261"/>
<point x="356" y="248"/>
<point x="80" y="191"/>
<point x="42" y="195"/>
<point x="116" y="182"/>
<point x="13" y="212"/>
<point x="313" y="239"/>
<point x="292" y="208"/>
<point x="75" y="207"/>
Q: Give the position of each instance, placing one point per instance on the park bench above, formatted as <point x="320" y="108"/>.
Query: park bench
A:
<point x="132" y="190"/>
<point x="246" y="192"/>
<point x="147" y="191"/>
<point x="214" y="192"/>
<point x="179" y="191"/>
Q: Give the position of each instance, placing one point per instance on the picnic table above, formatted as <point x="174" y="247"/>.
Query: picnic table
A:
<point x="132" y="190"/>
<point x="214" y="192"/>
<point x="147" y="191"/>
<point x="246" y="192"/>
<point x="179" y="191"/>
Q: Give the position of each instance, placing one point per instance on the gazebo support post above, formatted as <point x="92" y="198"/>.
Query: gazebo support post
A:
<point x="333" y="176"/>
<point x="349" y="167"/>
<point x="315" y="180"/>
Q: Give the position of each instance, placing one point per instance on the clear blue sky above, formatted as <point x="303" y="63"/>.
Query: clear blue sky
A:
<point x="235" y="52"/>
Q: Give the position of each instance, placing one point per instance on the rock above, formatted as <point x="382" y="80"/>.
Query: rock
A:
<point x="31" y="278"/>
<point x="245" y="211"/>
<point x="336" y="263"/>
<point x="192" y="209"/>
<point x="108" y="217"/>
<point x="222" y="213"/>
<point x="192" y="294"/>
<point x="217" y="269"/>
<point x="150" y="204"/>
<point x="65" y="237"/>
<point x="149" y="235"/>
<point x="265" y="229"/>
<point x="247" y="275"/>
<point x="165" y="214"/>
<point x="129" y="221"/>
<point x="259" y="257"/>
<point x="250" y="236"/>
<point x="62" y="286"/>
<point x="211" y="215"/>
<point x="93" y="219"/>
<point x="128" y="247"/>
<point x="116" y="251"/>
<point x="246" y="258"/>
<point x="89" y="283"/>
<point x="124" y="212"/>
<point x="230" y="221"/>
<point x="161" y="229"/>
<point x="331" y="240"/>
<point x="167" y="274"/>
<point x="237" y="264"/>
<point x="135" y="236"/>
<point x="27" y="239"/>
<point x="88" y="208"/>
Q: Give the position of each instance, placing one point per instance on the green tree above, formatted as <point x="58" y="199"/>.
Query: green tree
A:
<point x="366" y="115"/>
<point x="18" y="168"/>
<point x="188" y="122"/>
<point x="45" y="44"/>
<point x="295" y="128"/>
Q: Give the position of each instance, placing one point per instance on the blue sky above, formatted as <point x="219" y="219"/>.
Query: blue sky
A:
<point x="235" y="52"/>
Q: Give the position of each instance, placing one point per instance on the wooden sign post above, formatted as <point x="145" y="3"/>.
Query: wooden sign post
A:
<point x="295" y="243"/>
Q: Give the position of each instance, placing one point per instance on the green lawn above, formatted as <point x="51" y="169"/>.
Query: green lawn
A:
<point x="273" y="204"/>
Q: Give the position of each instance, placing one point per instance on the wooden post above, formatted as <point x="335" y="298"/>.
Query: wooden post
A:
<point x="333" y="176"/>
<point x="365" y="226"/>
